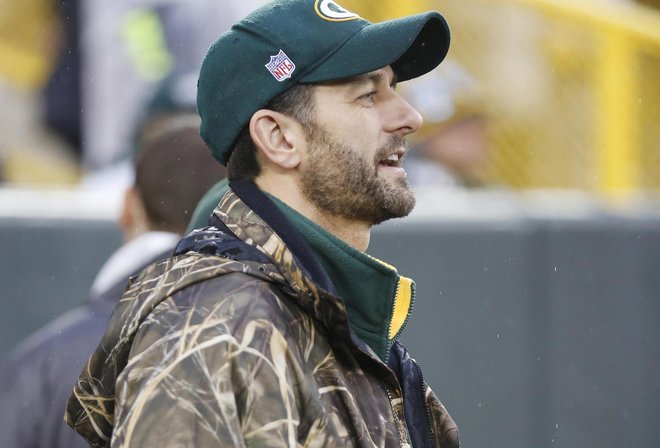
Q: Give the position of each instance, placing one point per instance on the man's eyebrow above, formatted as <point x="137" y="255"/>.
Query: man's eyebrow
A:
<point x="374" y="78"/>
<point x="360" y="81"/>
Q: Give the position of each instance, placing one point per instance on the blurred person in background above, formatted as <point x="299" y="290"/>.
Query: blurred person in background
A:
<point x="62" y="111"/>
<point x="38" y="69"/>
<point x="76" y="75"/>
<point x="173" y="168"/>
<point x="452" y="144"/>
<point x="128" y="48"/>
<point x="173" y="95"/>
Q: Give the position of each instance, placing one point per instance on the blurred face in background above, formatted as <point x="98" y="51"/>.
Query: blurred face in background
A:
<point x="460" y="145"/>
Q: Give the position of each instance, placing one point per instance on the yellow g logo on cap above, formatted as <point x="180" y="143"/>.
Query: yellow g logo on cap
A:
<point x="330" y="10"/>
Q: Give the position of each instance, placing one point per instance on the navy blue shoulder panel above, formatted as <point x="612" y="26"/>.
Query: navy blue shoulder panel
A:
<point x="218" y="240"/>
<point x="409" y="374"/>
<point x="258" y="202"/>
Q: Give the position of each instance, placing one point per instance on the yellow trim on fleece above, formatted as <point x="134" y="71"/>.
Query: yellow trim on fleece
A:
<point x="401" y="305"/>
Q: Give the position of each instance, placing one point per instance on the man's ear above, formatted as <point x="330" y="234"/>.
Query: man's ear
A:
<point x="278" y="137"/>
<point x="133" y="218"/>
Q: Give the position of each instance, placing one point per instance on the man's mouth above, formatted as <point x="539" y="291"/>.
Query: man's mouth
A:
<point x="393" y="160"/>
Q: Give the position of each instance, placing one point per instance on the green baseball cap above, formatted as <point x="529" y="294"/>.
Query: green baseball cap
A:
<point x="304" y="41"/>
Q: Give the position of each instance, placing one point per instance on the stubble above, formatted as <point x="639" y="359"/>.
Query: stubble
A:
<point x="339" y="181"/>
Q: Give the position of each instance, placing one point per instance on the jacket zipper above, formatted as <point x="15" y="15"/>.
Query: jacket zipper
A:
<point x="397" y="421"/>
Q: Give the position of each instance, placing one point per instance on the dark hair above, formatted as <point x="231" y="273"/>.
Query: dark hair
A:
<point x="296" y="102"/>
<point x="173" y="170"/>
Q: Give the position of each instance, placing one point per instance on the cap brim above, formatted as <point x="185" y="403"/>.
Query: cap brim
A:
<point x="412" y="45"/>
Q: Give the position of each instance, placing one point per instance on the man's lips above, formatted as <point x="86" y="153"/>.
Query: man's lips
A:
<point x="394" y="159"/>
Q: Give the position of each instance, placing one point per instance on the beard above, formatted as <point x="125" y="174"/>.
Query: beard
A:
<point x="339" y="181"/>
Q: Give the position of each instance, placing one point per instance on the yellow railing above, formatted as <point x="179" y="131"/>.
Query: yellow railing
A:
<point x="632" y="19"/>
<point x="622" y="27"/>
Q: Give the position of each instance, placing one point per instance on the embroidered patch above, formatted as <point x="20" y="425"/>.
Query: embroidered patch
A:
<point x="330" y="10"/>
<point x="280" y="66"/>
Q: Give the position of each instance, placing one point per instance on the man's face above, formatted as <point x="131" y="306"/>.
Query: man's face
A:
<point x="353" y="165"/>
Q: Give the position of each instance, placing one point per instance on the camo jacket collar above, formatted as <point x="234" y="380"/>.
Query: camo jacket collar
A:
<point x="253" y="218"/>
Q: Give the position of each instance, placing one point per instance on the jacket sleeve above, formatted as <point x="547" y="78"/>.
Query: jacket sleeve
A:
<point x="20" y="388"/>
<point x="35" y="383"/>
<point x="212" y="366"/>
<point x="444" y="426"/>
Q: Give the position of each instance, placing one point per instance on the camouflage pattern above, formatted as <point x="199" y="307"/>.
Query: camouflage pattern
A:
<point x="207" y="350"/>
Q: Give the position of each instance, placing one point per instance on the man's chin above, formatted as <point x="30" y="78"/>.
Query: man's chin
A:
<point x="400" y="203"/>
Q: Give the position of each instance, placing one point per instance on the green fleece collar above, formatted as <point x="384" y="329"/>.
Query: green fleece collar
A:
<point x="378" y="300"/>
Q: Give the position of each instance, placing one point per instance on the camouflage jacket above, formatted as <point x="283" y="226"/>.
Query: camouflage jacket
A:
<point x="234" y="341"/>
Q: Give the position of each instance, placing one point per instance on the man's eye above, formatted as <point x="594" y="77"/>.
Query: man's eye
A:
<point x="370" y="96"/>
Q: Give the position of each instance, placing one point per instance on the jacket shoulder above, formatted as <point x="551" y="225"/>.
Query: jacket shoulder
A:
<point x="225" y="304"/>
<point x="213" y="350"/>
<point x="444" y="426"/>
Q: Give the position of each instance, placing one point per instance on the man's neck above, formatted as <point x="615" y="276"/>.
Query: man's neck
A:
<point x="354" y="233"/>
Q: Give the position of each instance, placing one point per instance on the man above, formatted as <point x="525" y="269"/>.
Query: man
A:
<point x="272" y="327"/>
<point x="173" y="170"/>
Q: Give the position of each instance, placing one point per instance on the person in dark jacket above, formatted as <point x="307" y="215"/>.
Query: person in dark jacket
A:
<point x="271" y="326"/>
<point x="172" y="170"/>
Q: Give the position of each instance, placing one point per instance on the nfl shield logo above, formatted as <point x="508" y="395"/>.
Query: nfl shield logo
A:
<point x="280" y="66"/>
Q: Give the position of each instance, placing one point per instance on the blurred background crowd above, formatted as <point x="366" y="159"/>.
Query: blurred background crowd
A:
<point x="77" y="78"/>
<point x="537" y="94"/>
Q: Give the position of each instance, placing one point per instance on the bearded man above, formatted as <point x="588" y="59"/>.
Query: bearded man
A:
<point x="271" y="326"/>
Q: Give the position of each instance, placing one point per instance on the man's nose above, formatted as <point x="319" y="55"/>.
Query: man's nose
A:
<point x="405" y="118"/>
